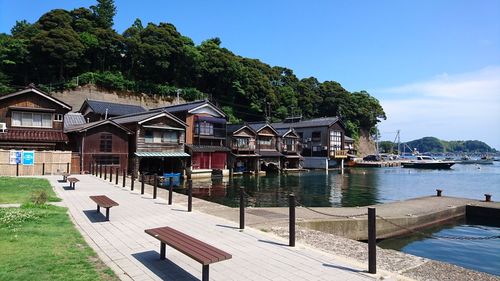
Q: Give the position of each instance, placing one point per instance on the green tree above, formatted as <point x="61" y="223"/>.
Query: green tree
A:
<point x="104" y="12"/>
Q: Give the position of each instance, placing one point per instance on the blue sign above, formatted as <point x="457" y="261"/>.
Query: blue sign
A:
<point x="28" y="157"/>
<point x="18" y="157"/>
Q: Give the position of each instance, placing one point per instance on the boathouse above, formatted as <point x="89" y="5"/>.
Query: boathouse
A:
<point x="241" y="140"/>
<point x="267" y="147"/>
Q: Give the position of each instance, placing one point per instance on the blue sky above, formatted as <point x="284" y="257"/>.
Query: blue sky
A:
<point x="434" y="65"/>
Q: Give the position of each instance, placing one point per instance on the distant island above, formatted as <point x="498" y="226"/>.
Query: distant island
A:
<point x="435" y="145"/>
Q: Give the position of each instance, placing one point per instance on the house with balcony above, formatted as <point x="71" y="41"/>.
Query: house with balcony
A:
<point x="157" y="145"/>
<point x="31" y="119"/>
<point x="290" y="147"/>
<point x="242" y="140"/>
<point x="323" y="140"/>
<point x="205" y="137"/>
<point x="94" y="110"/>
<point x="267" y="146"/>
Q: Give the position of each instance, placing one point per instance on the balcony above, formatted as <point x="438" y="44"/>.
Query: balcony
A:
<point x="210" y="133"/>
<point x="338" y="153"/>
<point x="289" y="148"/>
<point x="245" y="147"/>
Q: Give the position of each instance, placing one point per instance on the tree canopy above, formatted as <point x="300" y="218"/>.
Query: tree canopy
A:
<point x="158" y="59"/>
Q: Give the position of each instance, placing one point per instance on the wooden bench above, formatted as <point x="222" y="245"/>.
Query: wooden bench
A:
<point x="65" y="176"/>
<point x="72" y="182"/>
<point x="193" y="248"/>
<point x="105" y="202"/>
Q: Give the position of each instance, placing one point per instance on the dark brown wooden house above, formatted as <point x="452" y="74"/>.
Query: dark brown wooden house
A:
<point x="32" y="119"/>
<point x="103" y="143"/>
<point x="242" y="141"/>
<point x="94" y="110"/>
<point x="290" y="147"/>
<point x="267" y="147"/>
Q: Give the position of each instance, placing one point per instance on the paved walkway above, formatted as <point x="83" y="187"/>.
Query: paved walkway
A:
<point x="122" y="244"/>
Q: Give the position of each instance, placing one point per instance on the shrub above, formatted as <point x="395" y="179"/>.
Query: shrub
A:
<point x="39" y="197"/>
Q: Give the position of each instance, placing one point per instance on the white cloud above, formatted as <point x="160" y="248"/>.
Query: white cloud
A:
<point x="450" y="107"/>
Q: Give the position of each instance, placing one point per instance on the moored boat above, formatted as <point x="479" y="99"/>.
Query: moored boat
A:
<point x="427" y="162"/>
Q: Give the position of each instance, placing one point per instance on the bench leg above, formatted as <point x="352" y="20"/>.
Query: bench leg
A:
<point x="204" y="273"/>
<point x="107" y="214"/>
<point x="162" y="251"/>
<point x="98" y="208"/>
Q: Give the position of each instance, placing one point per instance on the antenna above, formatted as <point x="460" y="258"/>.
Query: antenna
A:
<point x="106" y="114"/>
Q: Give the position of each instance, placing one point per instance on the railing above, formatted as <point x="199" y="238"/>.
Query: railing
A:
<point x="289" y="148"/>
<point x="215" y="132"/>
<point x="338" y="153"/>
<point x="243" y="146"/>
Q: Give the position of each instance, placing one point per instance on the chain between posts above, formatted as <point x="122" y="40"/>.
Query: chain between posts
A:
<point x="330" y="215"/>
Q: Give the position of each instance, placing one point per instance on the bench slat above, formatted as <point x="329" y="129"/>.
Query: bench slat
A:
<point x="194" y="248"/>
<point x="103" y="201"/>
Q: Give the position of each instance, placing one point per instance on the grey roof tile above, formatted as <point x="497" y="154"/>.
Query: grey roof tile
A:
<point x="114" y="109"/>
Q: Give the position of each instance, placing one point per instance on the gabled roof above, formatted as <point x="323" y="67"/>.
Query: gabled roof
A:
<point x="235" y="128"/>
<point x="316" y="122"/>
<point x="259" y="126"/>
<point x="39" y="92"/>
<point x="73" y="119"/>
<point x="146" y="116"/>
<point x="283" y="132"/>
<point x="114" y="109"/>
<point x="192" y="106"/>
<point x="87" y="126"/>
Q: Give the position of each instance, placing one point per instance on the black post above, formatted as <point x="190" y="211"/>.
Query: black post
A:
<point x="291" y="225"/>
<point x="117" y="172"/>
<point x="124" y="177"/>
<point x="111" y="174"/>
<point x="132" y="179"/>
<point x="190" y="195"/>
<point x="105" y="172"/>
<point x="142" y="183"/>
<point x="438" y="192"/>
<point x="100" y="171"/>
<point x="155" y="186"/>
<point x="487" y="197"/>
<point x="17" y="169"/>
<point x="242" y="207"/>
<point x="170" y="190"/>
<point x="67" y="168"/>
<point x="372" y="241"/>
<point x="43" y="169"/>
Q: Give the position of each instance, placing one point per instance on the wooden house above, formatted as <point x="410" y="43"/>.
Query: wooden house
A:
<point x="158" y="143"/>
<point x="267" y="147"/>
<point x="31" y="119"/>
<point x="242" y="140"/>
<point x="102" y="142"/>
<point x="94" y="110"/>
<point x="205" y="137"/>
<point x="290" y="147"/>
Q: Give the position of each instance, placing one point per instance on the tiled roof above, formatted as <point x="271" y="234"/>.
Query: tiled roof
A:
<point x="32" y="89"/>
<point x="86" y="126"/>
<point x="138" y="117"/>
<point x="256" y="126"/>
<point x="72" y="119"/>
<point x="183" y="106"/>
<point x="33" y="135"/>
<point x="114" y="109"/>
<point x="316" y="122"/>
<point x="162" y="154"/>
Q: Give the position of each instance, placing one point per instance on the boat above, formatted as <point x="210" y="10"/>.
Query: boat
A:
<point x="485" y="160"/>
<point x="427" y="162"/>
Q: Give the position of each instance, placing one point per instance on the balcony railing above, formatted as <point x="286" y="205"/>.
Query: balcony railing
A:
<point x="243" y="146"/>
<point x="338" y="153"/>
<point x="215" y="132"/>
<point x="289" y="148"/>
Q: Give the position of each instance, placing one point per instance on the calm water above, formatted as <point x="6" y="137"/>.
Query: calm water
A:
<point x="480" y="255"/>
<point x="356" y="187"/>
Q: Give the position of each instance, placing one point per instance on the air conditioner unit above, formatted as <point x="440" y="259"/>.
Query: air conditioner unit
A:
<point x="3" y="127"/>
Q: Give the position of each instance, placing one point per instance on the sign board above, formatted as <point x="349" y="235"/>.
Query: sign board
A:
<point x="15" y="157"/>
<point x="28" y="157"/>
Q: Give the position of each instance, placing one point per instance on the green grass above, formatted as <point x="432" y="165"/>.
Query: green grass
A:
<point x="41" y="243"/>
<point x="18" y="190"/>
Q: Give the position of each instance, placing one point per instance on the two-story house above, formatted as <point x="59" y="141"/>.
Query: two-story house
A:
<point x="205" y="137"/>
<point x="267" y="147"/>
<point x="242" y="140"/>
<point x="94" y="110"/>
<point x="322" y="140"/>
<point x="290" y="147"/>
<point x="31" y="119"/>
<point x="157" y="145"/>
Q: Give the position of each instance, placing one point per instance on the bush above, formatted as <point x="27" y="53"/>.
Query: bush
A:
<point x="39" y="197"/>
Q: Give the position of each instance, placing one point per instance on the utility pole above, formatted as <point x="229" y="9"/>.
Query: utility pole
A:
<point x="178" y="91"/>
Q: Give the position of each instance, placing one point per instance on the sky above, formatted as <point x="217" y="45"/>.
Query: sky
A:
<point x="433" y="65"/>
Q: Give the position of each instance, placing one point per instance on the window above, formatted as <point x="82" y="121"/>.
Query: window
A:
<point x="204" y="128"/>
<point x="148" y="136"/>
<point x="266" y="141"/>
<point x="107" y="160"/>
<point x="58" y="117"/>
<point x="106" y="143"/>
<point x="170" y="137"/>
<point x="316" y="136"/>
<point x="335" y="140"/>
<point x="30" y="119"/>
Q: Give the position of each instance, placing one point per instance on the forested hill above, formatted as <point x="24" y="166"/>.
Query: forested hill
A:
<point x="432" y="144"/>
<point x="64" y="48"/>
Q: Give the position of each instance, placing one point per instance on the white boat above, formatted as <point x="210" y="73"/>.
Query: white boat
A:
<point x="427" y="162"/>
<point x="483" y="160"/>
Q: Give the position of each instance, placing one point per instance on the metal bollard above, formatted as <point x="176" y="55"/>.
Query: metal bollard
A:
<point x="291" y="224"/>
<point x="67" y="168"/>
<point x="111" y="174"/>
<point x="487" y="197"/>
<point x="17" y="169"/>
<point x="132" y="179"/>
<point x="190" y="195"/>
<point x="155" y="186"/>
<point x="438" y="192"/>
<point x="105" y="172"/>
<point x="117" y="170"/>
<point x="170" y="190"/>
<point x="100" y="171"/>
<point x="242" y="207"/>
<point x="142" y="183"/>
<point x="372" y="241"/>
<point x="43" y="169"/>
<point x="124" y="177"/>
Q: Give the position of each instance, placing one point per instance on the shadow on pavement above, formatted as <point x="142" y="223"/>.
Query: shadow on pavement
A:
<point x="94" y="216"/>
<point x="164" y="269"/>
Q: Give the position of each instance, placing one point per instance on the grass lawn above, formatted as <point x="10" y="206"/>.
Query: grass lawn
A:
<point x="18" y="190"/>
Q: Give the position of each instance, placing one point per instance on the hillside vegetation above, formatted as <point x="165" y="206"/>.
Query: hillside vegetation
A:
<point x="65" y="48"/>
<point x="432" y="144"/>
